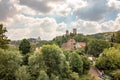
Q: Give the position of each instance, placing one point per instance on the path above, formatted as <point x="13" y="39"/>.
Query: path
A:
<point x="94" y="73"/>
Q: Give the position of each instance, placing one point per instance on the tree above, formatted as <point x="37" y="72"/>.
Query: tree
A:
<point x="24" y="46"/>
<point x="10" y="61"/>
<point x="116" y="74"/>
<point x="109" y="59"/>
<point x="36" y="63"/>
<point x="117" y="37"/>
<point x="22" y="73"/>
<point x="76" y="63"/>
<point x="43" y="76"/>
<point x="54" y="77"/>
<point x="86" y="63"/>
<point x="95" y="47"/>
<point x="55" y="61"/>
<point x="75" y="76"/>
<point x="3" y="39"/>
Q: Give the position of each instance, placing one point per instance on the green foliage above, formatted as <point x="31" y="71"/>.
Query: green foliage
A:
<point x="24" y="46"/>
<point x="86" y="64"/>
<point x="54" y="60"/>
<point x="95" y="47"/>
<point x="80" y="51"/>
<point x="32" y="48"/>
<point x="36" y="64"/>
<point x="116" y="74"/>
<point x="109" y="60"/>
<point x="43" y="76"/>
<point x="22" y="73"/>
<point x="54" y="77"/>
<point x="78" y="38"/>
<point x="86" y="77"/>
<point x="117" y="37"/>
<point x="44" y="42"/>
<point x="75" y="76"/>
<point x="116" y="45"/>
<point x="102" y="36"/>
<point x="10" y="61"/>
<point x="48" y="64"/>
<point x="3" y="39"/>
<point x="76" y="63"/>
<point x="51" y="60"/>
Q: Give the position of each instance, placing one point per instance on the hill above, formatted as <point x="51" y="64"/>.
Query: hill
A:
<point x="102" y="36"/>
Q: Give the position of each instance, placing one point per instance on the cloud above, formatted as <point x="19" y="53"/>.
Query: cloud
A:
<point x="25" y="27"/>
<point x="42" y="6"/>
<point x="114" y="4"/>
<point x="94" y="11"/>
<point x="76" y="4"/>
<point x="92" y="27"/>
<point x="7" y="9"/>
<point x="53" y="7"/>
<point x="50" y="18"/>
<point x="87" y="27"/>
<point x="66" y="7"/>
<point x="111" y="25"/>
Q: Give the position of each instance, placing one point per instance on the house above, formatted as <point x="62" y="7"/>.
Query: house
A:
<point x="72" y="44"/>
<point x="69" y="45"/>
<point x="80" y="45"/>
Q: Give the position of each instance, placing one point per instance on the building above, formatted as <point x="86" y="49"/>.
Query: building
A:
<point x="72" y="44"/>
<point x="74" y="31"/>
<point x="37" y="40"/>
<point x="80" y="45"/>
<point x="67" y="32"/>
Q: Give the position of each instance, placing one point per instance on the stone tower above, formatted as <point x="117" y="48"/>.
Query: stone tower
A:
<point x="67" y="32"/>
<point x="74" y="31"/>
<point x="38" y="39"/>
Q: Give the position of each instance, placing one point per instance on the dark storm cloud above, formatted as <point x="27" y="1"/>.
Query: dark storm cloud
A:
<point x="94" y="11"/>
<point x="39" y="5"/>
<point x="6" y="9"/>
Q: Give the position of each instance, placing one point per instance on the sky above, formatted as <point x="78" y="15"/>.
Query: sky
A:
<point x="51" y="18"/>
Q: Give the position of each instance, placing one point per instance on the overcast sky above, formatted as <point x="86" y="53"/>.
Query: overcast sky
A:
<point x="50" y="18"/>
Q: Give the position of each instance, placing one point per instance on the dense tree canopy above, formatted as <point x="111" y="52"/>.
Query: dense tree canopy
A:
<point x="10" y="61"/>
<point x="109" y="62"/>
<point x="54" y="60"/>
<point x="3" y="39"/>
<point x="109" y="59"/>
<point x="95" y="47"/>
<point x="117" y="37"/>
<point x="24" y="46"/>
<point x="22" y="73"/>
<point x="76" y="63"/>
<point x="78" y="38"/>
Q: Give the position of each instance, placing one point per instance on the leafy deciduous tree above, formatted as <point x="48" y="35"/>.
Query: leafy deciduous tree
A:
<point x="24" y="46"/>
<point x="76" y="63"/>
<point x="3" y="39"/>
<point x="10" y="61"/>
<point x="117" y="37"/>
<point x="22" y="73"/>
<point x="109" y="60"/>
<point x="95" y="47"/>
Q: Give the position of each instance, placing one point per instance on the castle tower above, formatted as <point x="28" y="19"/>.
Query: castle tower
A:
<point x="67" y="32"/>
<point x="38" y="39"/>
<point x="74" y="31"/>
